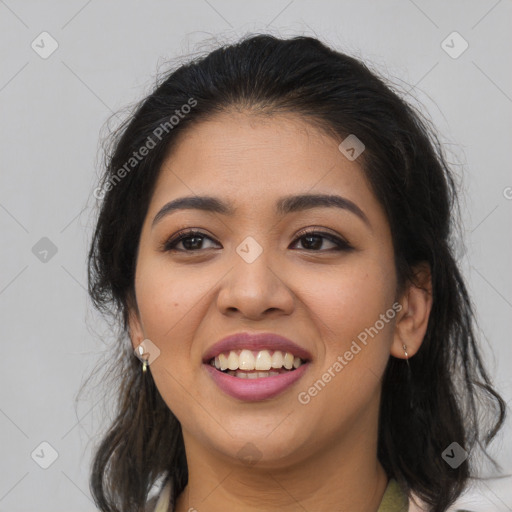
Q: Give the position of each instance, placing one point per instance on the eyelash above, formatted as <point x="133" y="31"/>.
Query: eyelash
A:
<point x="342" y="245"/>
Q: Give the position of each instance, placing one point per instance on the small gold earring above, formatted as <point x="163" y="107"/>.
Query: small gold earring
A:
<point x="406" y="355"/>
<point x="140" y="349"/>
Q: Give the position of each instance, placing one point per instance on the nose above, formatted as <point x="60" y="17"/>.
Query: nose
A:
<point x="255" y="290"/>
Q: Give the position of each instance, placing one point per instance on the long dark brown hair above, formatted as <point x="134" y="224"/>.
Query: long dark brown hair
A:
<point x="447" y="396"/>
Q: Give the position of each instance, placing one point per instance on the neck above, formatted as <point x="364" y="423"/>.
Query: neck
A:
<point x="345" y="476"/>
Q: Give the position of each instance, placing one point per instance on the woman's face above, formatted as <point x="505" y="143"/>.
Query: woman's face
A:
<point x="253" y="271"/>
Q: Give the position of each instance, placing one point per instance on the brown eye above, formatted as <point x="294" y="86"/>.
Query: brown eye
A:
<point x="313" y="240"/>
<point x="191" y="240"/>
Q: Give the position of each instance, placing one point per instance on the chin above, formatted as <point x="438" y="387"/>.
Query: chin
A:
<point x="262" y="450"/>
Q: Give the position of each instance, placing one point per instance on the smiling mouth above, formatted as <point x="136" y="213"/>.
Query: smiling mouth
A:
<point x="253" y="364"/>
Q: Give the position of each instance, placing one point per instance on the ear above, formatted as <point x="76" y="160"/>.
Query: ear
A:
<point x="135" y="325"/>
<point x="412" y="320"/>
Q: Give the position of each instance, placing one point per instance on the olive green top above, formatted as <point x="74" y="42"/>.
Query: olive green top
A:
<point x="394" y="500"/>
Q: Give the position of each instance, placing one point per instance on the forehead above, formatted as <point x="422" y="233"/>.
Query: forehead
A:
<point x="252" y="161"/>
<point x="238" y="140"/>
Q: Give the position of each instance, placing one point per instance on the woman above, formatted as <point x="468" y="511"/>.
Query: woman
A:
<point x="275" y="239"/>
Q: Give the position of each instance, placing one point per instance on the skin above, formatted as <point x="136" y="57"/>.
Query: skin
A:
<point x="321" y="456"/>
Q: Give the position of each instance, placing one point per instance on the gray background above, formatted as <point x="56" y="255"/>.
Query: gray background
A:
<point x="53" y="110"/>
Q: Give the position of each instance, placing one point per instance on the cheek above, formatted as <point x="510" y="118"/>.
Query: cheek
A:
<point x="168" y="298"/>
<point x="350" y="298"/>
<point x="347" y="308"/>
<point x="171" y="308"/>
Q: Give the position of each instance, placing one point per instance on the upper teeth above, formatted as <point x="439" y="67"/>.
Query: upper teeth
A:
<point x="262" y="360"/>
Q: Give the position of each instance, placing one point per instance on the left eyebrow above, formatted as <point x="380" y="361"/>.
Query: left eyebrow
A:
<point x="284" y="206"/>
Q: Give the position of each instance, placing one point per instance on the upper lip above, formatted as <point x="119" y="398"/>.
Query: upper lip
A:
<point x="258" y="341"/>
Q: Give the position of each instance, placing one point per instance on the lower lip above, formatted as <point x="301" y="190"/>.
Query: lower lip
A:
<point x="261" y="388"/>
